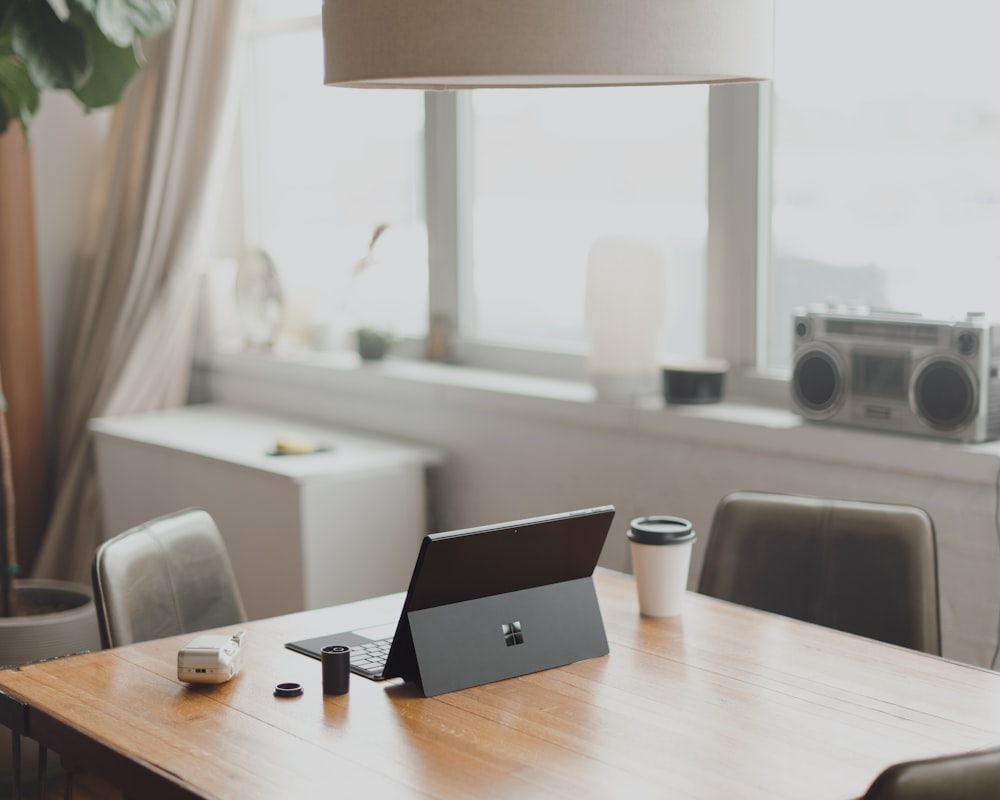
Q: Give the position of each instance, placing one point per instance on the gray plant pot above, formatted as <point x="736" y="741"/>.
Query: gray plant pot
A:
<point x="40" y="636"/>
<point x="373" y="345"/>
<point x="372" y="349"/>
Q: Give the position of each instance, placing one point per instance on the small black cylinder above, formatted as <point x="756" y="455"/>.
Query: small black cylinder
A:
<point x="336" y="669"/>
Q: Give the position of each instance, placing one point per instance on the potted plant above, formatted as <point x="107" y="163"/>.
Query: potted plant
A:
<point x="90" y="48"/>
<point x="374" y="344"/>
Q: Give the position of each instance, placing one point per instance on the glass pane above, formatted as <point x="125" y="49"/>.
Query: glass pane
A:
<point x="886" y="159"/>
<point x="327" y="167"/>
<point x="555" y="170"/>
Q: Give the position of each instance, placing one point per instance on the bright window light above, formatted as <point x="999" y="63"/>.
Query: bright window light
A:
<point x="323" y="169"/>
<point x="555" y="170"/>
<point x="886" y="160"/>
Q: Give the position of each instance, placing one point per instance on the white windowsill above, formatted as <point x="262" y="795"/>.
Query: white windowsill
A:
<point x="730" y="424"/>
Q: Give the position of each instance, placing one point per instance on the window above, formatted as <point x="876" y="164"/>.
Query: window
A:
<point x="323" y="169"/>
<point x="532" y="178"/>
<point x="555" y="170"/>
<point x="881" y="187"/>
<point x="886" y="160"/>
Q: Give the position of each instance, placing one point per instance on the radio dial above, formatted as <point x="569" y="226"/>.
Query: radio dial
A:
<point x="967" y="343"/>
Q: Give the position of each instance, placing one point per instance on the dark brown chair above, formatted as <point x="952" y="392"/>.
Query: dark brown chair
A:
<point x="865" y="568"/>
<point x="965" y="776"/>
<point x="167" y="576"/>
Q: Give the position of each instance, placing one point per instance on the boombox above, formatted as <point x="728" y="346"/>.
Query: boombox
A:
<point x="899" y="372"/>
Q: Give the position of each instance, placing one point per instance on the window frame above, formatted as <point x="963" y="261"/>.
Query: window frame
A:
<point x="737" y="247"/>
<point x="739" y="236"/>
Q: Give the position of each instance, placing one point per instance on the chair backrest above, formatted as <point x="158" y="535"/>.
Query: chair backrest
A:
<point x="965" y="776"/>
<point x="167" y="576"/>
<point x="866" y="568"/>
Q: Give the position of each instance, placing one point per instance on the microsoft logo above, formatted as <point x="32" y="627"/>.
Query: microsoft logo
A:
<point x="512" y="633"/>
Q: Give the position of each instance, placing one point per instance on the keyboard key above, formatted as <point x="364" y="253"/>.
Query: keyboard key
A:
<point x="369" y="659"/>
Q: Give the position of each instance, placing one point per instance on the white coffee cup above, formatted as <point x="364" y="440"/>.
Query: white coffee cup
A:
<point x="661" y="558"/>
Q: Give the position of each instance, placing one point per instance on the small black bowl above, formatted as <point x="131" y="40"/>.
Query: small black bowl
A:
<point x="693" y="384"/>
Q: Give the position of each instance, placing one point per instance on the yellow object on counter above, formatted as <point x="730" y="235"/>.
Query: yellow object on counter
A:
<point x="294" y="444"/>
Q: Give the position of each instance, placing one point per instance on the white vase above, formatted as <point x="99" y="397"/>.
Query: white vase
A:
<point x="625" y="312"/>
<point x="260" y="301"/>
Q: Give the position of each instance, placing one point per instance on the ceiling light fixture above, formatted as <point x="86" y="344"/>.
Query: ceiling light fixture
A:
<point x="469" y="44"/>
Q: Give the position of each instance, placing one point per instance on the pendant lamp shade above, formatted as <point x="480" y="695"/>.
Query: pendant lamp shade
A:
<point x="468" y="44"/>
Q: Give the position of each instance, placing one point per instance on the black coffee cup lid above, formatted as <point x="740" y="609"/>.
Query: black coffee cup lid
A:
<point x="661" y="530"/>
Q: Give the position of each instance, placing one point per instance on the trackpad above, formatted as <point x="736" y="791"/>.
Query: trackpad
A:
<point x="376" y="632"/>
<point x="312" y="647"/>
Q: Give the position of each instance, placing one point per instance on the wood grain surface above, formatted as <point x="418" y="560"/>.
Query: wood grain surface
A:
<point x="721" y="702"/>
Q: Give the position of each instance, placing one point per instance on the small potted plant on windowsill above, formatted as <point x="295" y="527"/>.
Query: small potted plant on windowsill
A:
<point x="355" y="325"/>
<point x="374" y="344"/>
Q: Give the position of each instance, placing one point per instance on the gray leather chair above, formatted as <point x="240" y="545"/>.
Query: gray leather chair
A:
<point x="167" y="576"/>
<point x="965" y="776"/>
<point x="866" y="568"/>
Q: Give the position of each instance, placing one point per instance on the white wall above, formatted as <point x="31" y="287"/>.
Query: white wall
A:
<point x="66" y="148"/>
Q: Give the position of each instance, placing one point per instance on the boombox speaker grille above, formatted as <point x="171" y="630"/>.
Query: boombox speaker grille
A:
<point x="817" y="381"/>
<point x="945" y="395"/>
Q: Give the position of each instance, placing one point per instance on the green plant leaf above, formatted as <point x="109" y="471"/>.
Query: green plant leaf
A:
<point x="113" y="66"/>
<point x="124" y="21"/>
<point x="54" y="52"/>
<point x="94" y="53"/>
<point x="18" y="95"/>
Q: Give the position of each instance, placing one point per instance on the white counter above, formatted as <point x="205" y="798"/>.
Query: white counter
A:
<point x="303" y="531"/>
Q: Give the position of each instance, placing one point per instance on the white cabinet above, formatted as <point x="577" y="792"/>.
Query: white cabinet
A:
<point x="303" y="531"/>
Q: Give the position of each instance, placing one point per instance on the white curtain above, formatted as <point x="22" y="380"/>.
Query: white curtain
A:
<point x="128" y="339"/>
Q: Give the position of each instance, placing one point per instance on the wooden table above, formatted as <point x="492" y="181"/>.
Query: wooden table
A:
<point x="723" y="702"/>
